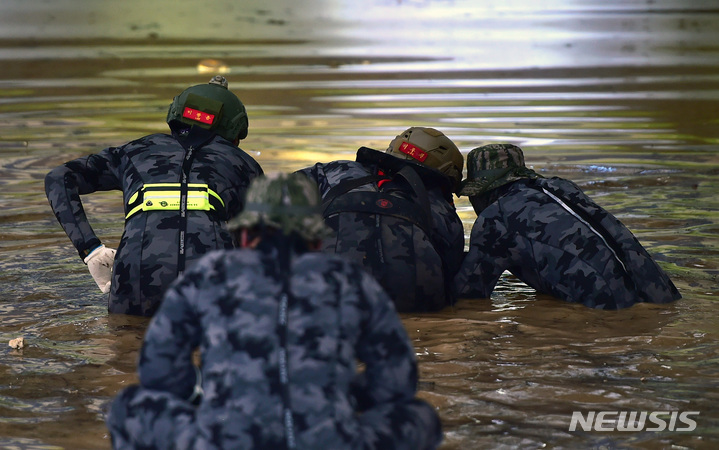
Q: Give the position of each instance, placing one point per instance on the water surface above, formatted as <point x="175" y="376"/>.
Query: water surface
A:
<point x="619" y="96"/>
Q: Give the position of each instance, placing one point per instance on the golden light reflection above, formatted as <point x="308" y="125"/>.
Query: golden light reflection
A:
<point x="214" y="66"/>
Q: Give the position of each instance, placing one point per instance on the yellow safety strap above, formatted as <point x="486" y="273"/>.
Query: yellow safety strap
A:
<point x="166" y="197"/>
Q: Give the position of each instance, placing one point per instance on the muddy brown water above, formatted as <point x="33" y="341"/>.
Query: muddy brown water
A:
<point x="619" y="96"/>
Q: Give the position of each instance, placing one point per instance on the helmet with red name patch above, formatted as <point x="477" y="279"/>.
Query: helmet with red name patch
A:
<point x="211" y="106"/>
<point x="432" y="148"/>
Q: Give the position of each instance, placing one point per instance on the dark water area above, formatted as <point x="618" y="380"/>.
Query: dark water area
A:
<point x="619" y="96"/>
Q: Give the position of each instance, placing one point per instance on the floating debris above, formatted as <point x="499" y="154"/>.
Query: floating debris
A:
<point x="17" y="342"/>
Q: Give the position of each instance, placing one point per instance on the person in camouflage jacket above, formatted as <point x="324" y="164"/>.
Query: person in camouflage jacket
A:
<point x="280" y="329"/>
<point x="553" y="237"/>
<point x="178" y="191"/>
<point x="394" y="213"/>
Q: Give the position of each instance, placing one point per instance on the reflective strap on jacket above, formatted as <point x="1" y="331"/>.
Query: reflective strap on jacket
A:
<point x="166" y="197"/>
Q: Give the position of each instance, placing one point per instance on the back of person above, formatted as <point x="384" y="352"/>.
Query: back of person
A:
<point x="149" y="256"/>
<point x="328" y="314"/>
<point x="554" y="238"/>
<point x="594" y="260"/>
<point x="280" y="329"/>
<point x="397" y="219"/>
<point x="200" y="163"/>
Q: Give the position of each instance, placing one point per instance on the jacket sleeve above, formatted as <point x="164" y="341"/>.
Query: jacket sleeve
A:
<point x="65" y="184"/>
<point x="165" y="362"/>
<point x="316" y="174"/>
<point x="327" y="175"/>
<point x="384" y="347"/>
<point x="448" y="238"/>
<point x="243" y="172"/>
<point x="487" y="257"/>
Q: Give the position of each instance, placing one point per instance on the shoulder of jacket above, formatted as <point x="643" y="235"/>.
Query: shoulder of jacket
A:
<point x="342" y="165"/>
<point x="150" y="138"/>
<point x="329" y="261"/>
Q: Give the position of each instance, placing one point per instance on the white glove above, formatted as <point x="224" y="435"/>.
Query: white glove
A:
<point x="99" y="263"/>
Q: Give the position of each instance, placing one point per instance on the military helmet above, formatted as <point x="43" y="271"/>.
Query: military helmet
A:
<point x="211" y="106"/>
<point x="287" y="202"/>
<point x="431" y="148"/>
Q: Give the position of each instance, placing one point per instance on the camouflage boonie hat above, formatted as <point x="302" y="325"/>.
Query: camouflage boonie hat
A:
<point x="493" y="165"/>
<point x="287" y="202"/>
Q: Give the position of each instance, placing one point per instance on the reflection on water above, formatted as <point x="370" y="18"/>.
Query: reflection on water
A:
<point x="620" y="97"/>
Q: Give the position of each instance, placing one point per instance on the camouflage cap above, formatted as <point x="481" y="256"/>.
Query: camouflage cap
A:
<point x="494" y="165"/>
<point x="287" y="202"/>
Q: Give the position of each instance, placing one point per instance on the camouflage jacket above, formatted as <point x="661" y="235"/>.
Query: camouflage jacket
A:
<point x="554" y="238"/>
<point x="148" y="256"/>
<point x="229" y="305"/>
<point x="415" y="265"/>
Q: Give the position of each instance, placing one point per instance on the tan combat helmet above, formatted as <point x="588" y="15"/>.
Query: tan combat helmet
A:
<point x="432" y="148"/>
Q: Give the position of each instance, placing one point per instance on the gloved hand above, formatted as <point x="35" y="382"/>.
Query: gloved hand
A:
<point x="99" y="263"/>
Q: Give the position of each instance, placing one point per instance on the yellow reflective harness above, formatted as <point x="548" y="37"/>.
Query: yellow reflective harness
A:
<point x="166" y="197"/>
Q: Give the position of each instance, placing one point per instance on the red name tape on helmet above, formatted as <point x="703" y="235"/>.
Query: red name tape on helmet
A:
<point x="194" y="114"/>
<point x="415" y="152"/>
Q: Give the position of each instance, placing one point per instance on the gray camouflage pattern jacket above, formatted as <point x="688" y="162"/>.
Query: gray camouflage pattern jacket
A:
<point x="554" y="238"/>
<point x="147" y="258"/>
<point x="228" y="305"/>
<point x="415" y="267"/>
